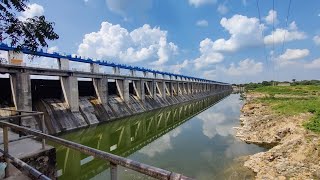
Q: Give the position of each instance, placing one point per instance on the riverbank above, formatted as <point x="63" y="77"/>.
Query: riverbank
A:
<point x="284" y="119"/>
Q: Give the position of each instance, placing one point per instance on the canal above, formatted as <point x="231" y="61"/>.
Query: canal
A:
<point x="195" y="139"/>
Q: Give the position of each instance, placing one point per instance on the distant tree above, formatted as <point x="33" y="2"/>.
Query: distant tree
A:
<point x="266" y="83"/>
<point x="31" y="33"/>
<point x="293" y="80"/>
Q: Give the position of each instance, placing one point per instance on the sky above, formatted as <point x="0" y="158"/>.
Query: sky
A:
<point x="232" y="41"/>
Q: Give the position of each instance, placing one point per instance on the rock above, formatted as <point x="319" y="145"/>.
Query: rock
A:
<point x="293" y="151"/>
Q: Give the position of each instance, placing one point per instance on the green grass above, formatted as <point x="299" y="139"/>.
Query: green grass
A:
<point x="305" y="99"/>
<point x="290" y="90"/>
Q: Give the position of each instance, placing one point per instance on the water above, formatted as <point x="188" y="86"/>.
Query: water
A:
<point x="195" y="139"/>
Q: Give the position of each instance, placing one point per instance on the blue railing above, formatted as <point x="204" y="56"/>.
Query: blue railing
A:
<point x="5" y="47"/>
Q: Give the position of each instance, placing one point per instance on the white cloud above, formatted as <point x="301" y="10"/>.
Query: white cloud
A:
<point x="294" y="54"/>
<point x="202" y="23"/>
<point x="315" y="64"/>
<point x="316" y="40"/>
<point x="290" y="55"/>
<point x="208" y="55"/>
<point x="197" y="3"/>
<point x="160" y="145"/>
<point x="280" y="35"/>
<point x="272" y="17"/>
<point x="210" y="74"/>
<point x="116" y="43"/>
<point x="53" y="49"/>
<point x="244" y="31"/>
<point x="247" y="67"/>
<point x="213" y="124"/>
<point x="178" y="67"/>
<point x="222" y="9"/>
<point x="32" y="10"/>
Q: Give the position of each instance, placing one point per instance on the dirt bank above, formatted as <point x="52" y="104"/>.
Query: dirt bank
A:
<point x="294" y="151"/>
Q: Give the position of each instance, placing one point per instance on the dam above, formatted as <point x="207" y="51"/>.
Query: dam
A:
<point x="129" y="108"/>
<point x="79" y="99"/>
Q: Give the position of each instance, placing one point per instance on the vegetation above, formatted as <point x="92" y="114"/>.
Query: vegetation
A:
<point x="291" y="100"/>
<point x="30" y="33"/>
<point x="253" y="86"/>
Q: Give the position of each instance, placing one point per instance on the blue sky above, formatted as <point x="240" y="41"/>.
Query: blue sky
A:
<point x="221" y="40"/>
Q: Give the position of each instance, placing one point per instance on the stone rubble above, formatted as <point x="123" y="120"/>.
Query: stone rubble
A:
<point x="294" y="152"/>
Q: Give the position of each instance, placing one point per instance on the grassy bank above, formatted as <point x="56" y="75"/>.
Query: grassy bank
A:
<point x="291" y="100"/>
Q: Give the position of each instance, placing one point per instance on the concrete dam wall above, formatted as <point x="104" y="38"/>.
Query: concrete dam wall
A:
<point x="78" y="99"/>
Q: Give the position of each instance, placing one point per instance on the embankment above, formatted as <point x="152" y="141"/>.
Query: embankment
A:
<point x="294" y="151"/>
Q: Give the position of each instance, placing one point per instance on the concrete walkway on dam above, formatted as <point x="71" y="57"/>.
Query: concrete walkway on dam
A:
<point x="28" y="150"/>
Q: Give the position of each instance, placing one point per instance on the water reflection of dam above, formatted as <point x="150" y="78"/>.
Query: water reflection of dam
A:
<point x="124" y="137"/>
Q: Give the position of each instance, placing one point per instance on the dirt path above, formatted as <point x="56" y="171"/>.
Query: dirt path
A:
<point x="294" y="151"/>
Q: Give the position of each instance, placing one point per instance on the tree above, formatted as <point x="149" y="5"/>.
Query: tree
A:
<point x="266" y="83"/>
<point x="31" y="33"/>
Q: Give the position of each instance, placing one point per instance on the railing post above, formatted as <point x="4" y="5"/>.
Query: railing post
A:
<point x="113" y="171"/>
<point x="19" y="123"/>
<point x="6" y="149"/>
<point x="43" y="130"/>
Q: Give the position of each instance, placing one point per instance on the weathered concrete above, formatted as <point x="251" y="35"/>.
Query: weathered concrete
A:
<point x="21" y="91"/>
<point x="161" y="88"/>
<point x="148" y="93"/>
<point x="123" y="89"/>
<point x="139" y="89"/>
<point x="30" y="151"/>
<point x="70" y="91"/>
<point x="101" y="89"/>
<point x="154" y="89"/>
<point x="63" y="64"/>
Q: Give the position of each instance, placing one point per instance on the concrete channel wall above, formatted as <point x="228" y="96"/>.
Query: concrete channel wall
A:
<point x="128" y="95"/>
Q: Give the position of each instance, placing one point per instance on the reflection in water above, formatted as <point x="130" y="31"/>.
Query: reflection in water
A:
<point x="179" y="138"/>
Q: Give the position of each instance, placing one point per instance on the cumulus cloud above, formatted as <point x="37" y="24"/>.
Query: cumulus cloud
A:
<point x="243" y="32"/>
<point x="197" y="3"/>
<point x="202" y="23"/>
<point x="285" y="35"/>
<point x="272" y="17"/>
<point x="210" y="74"/>
<point x="31" y="11"/>
<point x="316" y="40"/>
<point x="53" y="49"/>
<point x="161" y="145"/>
<point x="116" y="43"/>
<point x="247" y="67"/>
<point x="290" y="56"/>
<point x="123" y="7"/>
<point x="208" y="55"/>
<point x="294" y="54"/>
<point x="315" y="64"/>
<point x="213" y="124"/>
<point x="222" y="9"/>
<point x="178" y="67"/>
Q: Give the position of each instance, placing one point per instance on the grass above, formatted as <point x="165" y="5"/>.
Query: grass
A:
<point x="290" y="90"/>
<point x="292" y="100"/>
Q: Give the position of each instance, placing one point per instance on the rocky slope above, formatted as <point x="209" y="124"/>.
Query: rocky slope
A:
<point x="294" y="151"/>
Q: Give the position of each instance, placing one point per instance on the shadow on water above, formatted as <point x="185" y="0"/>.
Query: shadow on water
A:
<point x="194" y="138"/>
